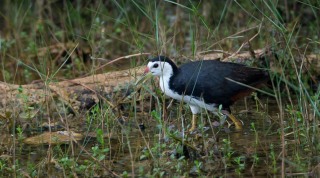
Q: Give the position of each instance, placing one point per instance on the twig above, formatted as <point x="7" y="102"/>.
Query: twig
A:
<point x="243" y="44"/>
<point x="245" y="30"/>
<point x="115" y="60"/>
<point x="113" y="174"/>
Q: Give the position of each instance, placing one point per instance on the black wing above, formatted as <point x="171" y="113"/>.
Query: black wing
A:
<point x="209" y="80"/>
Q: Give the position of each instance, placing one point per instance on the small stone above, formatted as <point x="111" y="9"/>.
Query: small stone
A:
<point x="215" y="124"/>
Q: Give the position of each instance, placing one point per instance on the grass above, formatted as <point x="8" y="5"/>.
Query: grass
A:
<point x="64" y="40"/>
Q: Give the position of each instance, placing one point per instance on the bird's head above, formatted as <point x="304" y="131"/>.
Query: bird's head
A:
<point x="161" y="66"/>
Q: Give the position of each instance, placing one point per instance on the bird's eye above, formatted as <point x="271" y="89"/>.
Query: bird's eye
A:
<point x="155" y="65"/>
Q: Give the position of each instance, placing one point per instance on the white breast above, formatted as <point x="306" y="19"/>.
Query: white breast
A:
<point x="164" y="85"/>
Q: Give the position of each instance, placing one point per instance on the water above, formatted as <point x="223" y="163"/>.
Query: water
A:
<point x="254" y="151"/>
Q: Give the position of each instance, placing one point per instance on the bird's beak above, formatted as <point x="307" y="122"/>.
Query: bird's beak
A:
<point x="146" y="70"/>
<point x="147" y="75"/>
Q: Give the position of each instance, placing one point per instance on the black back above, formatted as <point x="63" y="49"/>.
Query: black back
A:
<point x="208" y="80"/>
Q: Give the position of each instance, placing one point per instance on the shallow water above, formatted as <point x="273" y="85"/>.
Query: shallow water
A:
<point x="251" y="152"/>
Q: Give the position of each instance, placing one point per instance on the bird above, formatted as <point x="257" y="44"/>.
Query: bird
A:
<point x="206" y="84"/>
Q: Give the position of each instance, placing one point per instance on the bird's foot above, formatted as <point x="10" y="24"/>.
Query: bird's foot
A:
<point x="237" y="123"/>
<point x="194" y="132"/>
<point x="192" y="129"/>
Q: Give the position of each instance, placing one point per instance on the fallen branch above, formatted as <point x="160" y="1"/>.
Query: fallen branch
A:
<point x="82" y="93"/>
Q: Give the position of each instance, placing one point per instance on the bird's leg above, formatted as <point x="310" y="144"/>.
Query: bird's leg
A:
<point x="237" y="122"/>
<point x="194" y="110"/>
<point x="194" y="123"/>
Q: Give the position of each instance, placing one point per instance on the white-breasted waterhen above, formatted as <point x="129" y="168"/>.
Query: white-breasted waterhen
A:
<point x="206" y="83"/>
